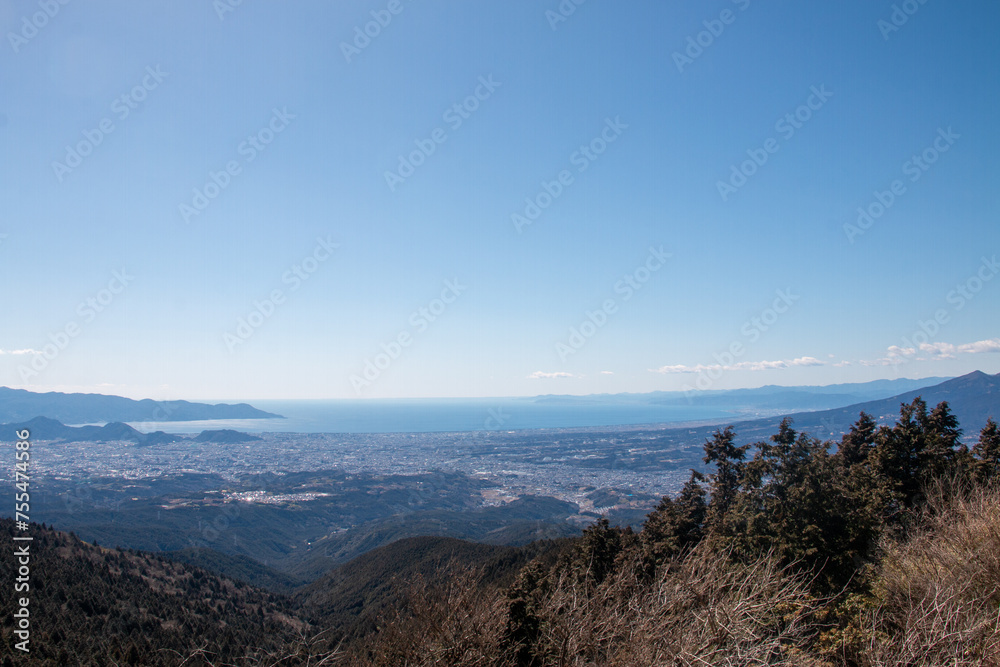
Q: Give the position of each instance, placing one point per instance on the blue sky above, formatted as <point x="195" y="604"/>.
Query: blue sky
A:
<point x="196" y="199"/>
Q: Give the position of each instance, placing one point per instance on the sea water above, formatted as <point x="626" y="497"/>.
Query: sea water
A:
<point x="429" y="415"/>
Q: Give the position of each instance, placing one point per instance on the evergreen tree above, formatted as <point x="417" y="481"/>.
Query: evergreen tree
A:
<point x="919" y="449"/>
<point x="594" y="556"/>
<point x="796" y="501"/>
<point x="724" y="483"/>
<point x="523" y="624"/>
<point x="676" y="524"/>
<point x="861" y="492"/>
<point x="941" y="440"/>
<point x="987" y="452"/>
<point x="858" y="443"/>
<point x="899" y="456"/>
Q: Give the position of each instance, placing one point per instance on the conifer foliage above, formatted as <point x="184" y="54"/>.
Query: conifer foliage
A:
<point x="789" y="551"/>
<point x="880" y="549"/>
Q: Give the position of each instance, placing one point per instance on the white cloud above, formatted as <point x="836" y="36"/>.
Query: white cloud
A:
<point x="894" y="355"/>
<point x="24" y="351"/>
<point x="934" y="351"/>
<point x="981" y="346"/>
<point x="741" y="366"/>
<point x="607" y="372"/>
<point x="680" y="368"/>
<point x="756" y="366"/>
<point x="542" y="375"/>
<point x="939" y="350"/>
<point x="884" y="361"/>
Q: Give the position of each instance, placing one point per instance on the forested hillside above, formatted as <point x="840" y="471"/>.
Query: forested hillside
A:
<point x="885" y="551"/>
<point x="881" y="549"/>
<point x="95" y="606"/>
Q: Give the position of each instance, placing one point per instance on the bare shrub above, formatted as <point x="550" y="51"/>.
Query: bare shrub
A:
<point x="939" y="590"/>
<point x="458" y="623"/>
<point x="701" y="609"/>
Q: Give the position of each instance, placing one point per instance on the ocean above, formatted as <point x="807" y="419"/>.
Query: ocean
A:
<point x="430" y="415"/>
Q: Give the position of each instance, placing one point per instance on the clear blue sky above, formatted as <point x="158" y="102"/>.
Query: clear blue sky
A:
<point x="663" y="128"/>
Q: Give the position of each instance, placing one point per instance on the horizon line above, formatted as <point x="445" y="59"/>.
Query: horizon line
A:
<point x="468" y="398"/>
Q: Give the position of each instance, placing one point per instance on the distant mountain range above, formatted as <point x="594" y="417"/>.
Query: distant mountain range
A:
<point x="348" y="581"/>
<point x="824" y="411"/>
<point x="769" y="398"/>
<point x="43" y="428"/>
<point x="20" y="405"/>
<point x="973" y="399"/>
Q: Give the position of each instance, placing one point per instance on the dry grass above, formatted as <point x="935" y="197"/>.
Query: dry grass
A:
<point x="936" y="603"/>
<point x="939" y="591"/>
<point x="701" y="610"/>
<point x="455" y="625"/>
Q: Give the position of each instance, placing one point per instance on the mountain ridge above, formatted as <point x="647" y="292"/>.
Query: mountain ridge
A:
<point x="870" y="389"/>
<point x="77" y="408"/>
<point x="973" y="398"/>
<point x="46" y="428"/>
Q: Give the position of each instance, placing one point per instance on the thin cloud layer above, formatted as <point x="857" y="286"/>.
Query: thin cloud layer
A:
<point x="933" y="352"/>
<point x="542" y="375"/>
<point x="990" y="345"/>
<point x="741" y="366"/>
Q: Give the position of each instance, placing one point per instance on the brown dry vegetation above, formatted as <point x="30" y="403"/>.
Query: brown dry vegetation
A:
<point x="883" y="553"/>
<point x="700" y="585"/>
<point x="701" y="610"/>
<point x="937" y="594"/>
<point x="933" y="601"/>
